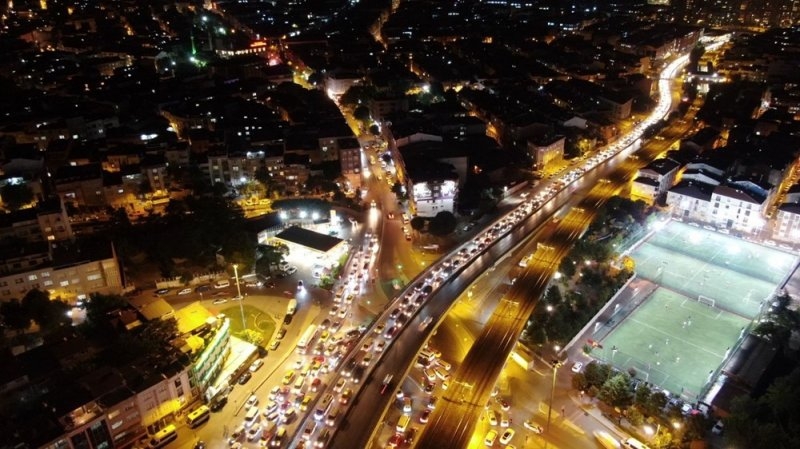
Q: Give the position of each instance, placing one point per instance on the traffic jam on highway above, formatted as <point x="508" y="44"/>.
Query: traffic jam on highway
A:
<point x="432" y="368"/>
<point x="375" y="340"/>
<point x="271" y="421"/>
<point x="331" y="363"/>
<point x="402" y="309"/>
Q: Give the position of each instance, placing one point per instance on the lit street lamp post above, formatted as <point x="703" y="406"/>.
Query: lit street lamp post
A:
<point x="556" y="366"/>
<point x="239" y="293"/>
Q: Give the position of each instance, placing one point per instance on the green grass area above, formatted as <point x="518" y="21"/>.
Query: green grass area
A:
<point x="731" y="290"/>
<point x="260" y="324"/>
<point x="738" y="275"/>
<point x="747" y="258"/>
<point x="660" y="344"/>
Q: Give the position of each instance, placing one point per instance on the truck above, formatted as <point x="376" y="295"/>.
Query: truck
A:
<point x="292" y="307"/>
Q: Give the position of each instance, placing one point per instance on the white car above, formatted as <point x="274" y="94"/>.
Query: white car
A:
<point x="506" y="437"/>
<point x="532" y="426"/>
<point x="577" y="367"/>
<point x="185" y="291"/>
<point x="254" y="432"/>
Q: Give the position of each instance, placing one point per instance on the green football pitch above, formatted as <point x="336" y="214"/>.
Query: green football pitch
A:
<point x="710" y="287"/>
<point x="672" y="341"/>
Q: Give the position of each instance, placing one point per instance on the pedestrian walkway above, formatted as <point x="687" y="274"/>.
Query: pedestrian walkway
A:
<point x="587" y="405"/>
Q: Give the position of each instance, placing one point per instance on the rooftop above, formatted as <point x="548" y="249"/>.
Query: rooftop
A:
<point x="309" y="238"/>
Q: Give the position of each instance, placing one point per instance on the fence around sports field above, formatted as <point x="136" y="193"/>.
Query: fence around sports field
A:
<point x="672" y="341"/>
<point x="741" y="256"/>
<point x="737" y="275"/>
<point x="710" y="287"/>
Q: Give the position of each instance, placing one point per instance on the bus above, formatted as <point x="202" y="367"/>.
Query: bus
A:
<point x="164" y="436"/>
<point x="198" y="416"/>
<point x="323" y="407"/>
<point x="306" y="339"/>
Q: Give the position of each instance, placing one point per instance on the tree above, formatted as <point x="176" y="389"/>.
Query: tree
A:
<point x="145" y="187"/>
<point x="616" y="391"/>
<point x="358" y="94"/>
<point x="397" y="189"/>
<point x="15" y="317"/>
<point x="579" y="382"/>
<point x="443" y="223"/>
<point x="16" y="195"/>
<point x="567" y="267"/>
<point x="315" y="79"/>
<point x="597" y="373"/>
<point x="417" y="224"/>
<point x="268" y="257"/>
<point x="695" y="55"/>
<point x="656" y="403"/>
<point x="48" y="314"/>
<point x="553" y="295"/>
<point x="635" y="417"/>
<point x="642" y="396"/>
<point x="98" y="314"/>
<point x="362" y="113"/>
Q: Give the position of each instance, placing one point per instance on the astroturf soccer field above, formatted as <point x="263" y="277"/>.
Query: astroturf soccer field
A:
<point x="710" y="287"/>
<point x="672" y="341"/>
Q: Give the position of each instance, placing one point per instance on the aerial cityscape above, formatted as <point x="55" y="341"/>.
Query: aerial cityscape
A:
<point x="347" y="224"/>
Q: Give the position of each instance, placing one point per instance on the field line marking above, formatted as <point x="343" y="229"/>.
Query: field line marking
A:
<point x="675" y="337"/>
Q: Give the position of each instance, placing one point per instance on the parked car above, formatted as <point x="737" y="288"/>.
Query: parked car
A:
<point x="244" y="378"/>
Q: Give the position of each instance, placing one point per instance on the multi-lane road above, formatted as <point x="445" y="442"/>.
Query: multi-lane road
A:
<point x="453" y="425"/>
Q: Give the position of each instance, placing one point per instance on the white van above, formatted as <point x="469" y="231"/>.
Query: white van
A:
<point x="251" y="416"/>
<point x="164" y="436"/>
<point x="606" y="440"/>
<point x="635" y="444"/>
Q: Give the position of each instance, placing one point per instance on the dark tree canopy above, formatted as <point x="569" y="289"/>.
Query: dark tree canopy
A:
<point x="15" y="196"/>
<point x="770" y="421"/>
<point x="442" y="224"/>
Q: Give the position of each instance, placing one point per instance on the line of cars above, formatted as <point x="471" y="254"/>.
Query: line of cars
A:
<point x="432" y="370"/>
<point x="301" y="386"/>
<point x="328" y="345"/>
<point x="484" y="239"/>
<point x="404" y="306"/>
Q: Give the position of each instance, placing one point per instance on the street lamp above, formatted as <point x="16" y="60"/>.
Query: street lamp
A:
<point x="239" y="294"/>
<point x="556" y="365"/>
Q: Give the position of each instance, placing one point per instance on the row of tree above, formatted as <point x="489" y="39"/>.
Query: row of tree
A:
<point x="585" y="288"/>
<point x="640" y="404"/>
<point x="35" y="308"/>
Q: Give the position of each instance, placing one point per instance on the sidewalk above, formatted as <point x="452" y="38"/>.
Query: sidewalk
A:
<point x="587" y="404"/>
